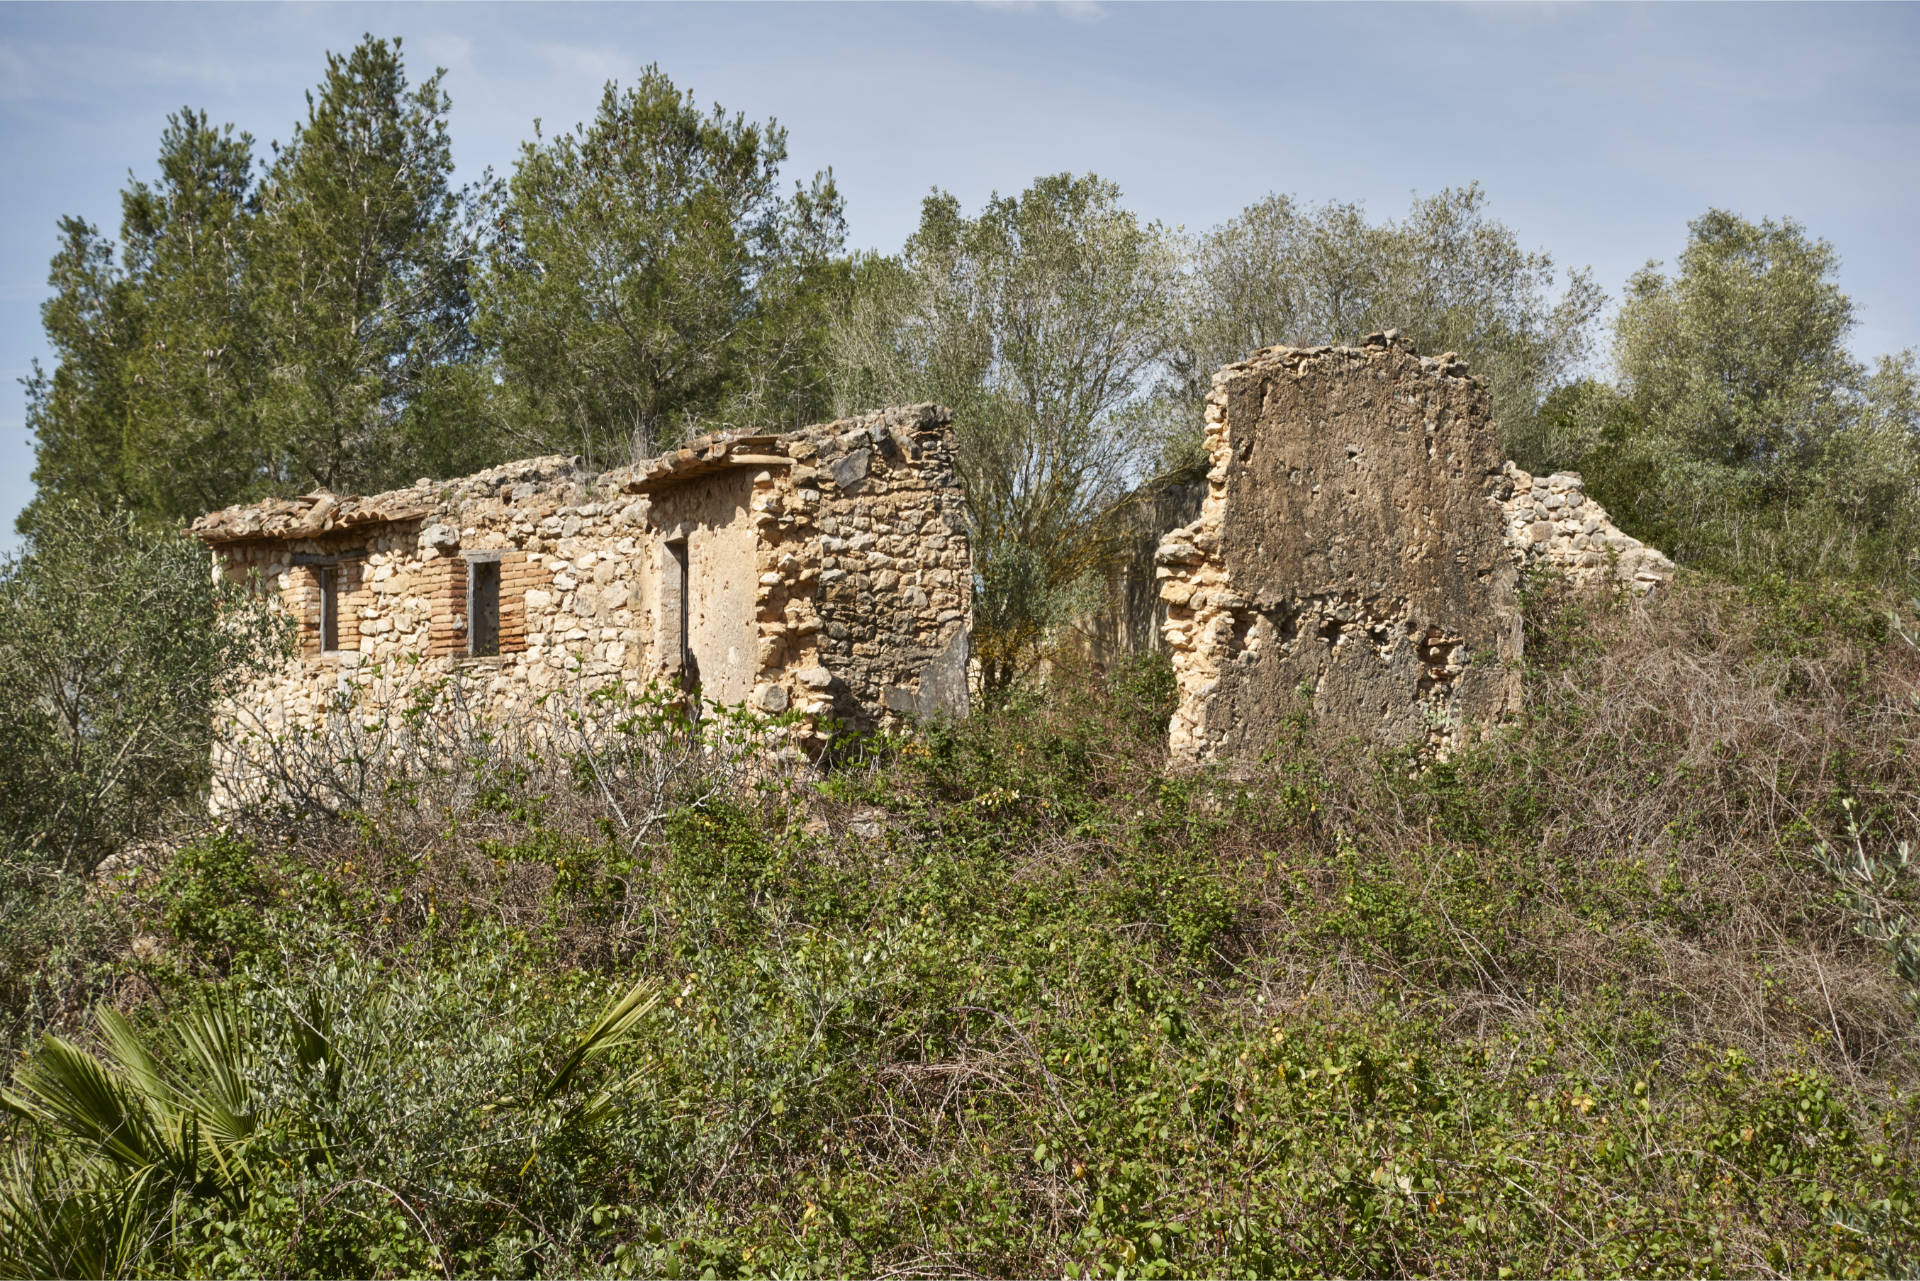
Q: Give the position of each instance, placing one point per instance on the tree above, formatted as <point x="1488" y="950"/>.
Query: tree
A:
<point x="1448" y="276"/>
<point x="1739" y="358"/>
<point x="194" y="435"/>
<point x="115" y="645"/>
<point x="80" y="413"/>
<point x="651" y="279"/>
<point x="1044" y="323"/>
<point x="1747" y="435"/>
<point x="360" y="265"/>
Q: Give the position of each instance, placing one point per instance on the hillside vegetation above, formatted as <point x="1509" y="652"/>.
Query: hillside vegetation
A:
<point x="1602" y="995"/>
<point x="1630" y="987"/>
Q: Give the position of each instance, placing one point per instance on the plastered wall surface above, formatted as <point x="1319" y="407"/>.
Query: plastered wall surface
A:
<point x="1358" y="554"/>
<point x="828" y="573"/>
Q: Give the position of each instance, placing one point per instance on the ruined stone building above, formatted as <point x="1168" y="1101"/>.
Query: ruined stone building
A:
<point x="1358" y="552"/>
<point x="825" y="572"/>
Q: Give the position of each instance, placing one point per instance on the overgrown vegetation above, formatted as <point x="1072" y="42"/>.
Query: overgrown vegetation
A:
<point x="1628" y="987"/>
<point x="1007" y="997"/>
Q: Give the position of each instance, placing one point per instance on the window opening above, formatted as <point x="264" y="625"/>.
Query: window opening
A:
<point x="329" y="608"/>
<point x="483" y="608"/>
<point x="675" y="609"/>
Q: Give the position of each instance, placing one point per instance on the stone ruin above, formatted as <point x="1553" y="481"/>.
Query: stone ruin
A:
<point x="824" y="572"/>
<point x="1359" y="551"/>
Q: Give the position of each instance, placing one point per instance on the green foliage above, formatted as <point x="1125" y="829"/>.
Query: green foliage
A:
<point x="359" y="264"/>
<point x="651" y="281"/>
<point x="1011" y="997"/>
<point x="1448" y="276"/>
<point x="211" y="896"/>
<point x="308" y="329"/>
<point x="193" y="438"/>
<point x="1744" y="436"/>
<point x="114" y="646"/>
<point x="80" y="413"/>
<point x="61" y="948"/>
<point x="212" y="1139"/>
<point x="1043" y="324"/>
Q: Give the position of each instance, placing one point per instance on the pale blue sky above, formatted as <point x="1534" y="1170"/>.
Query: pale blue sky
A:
<point x="1598" y="131"/>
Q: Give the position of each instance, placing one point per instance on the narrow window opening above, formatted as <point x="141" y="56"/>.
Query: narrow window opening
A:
<point x="329" y="608"/>
<point x="676" y="600"/>
<point x="674" y="614"/>
<point x="483" y="608"/>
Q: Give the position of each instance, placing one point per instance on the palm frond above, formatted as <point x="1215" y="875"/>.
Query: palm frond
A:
<point x="71" y="1092"/>
<point x="58" y="1219"/>
<point x="608" y="1033"/>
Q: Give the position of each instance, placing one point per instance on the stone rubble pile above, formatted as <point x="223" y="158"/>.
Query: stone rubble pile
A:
<point x="1551" y="523"/>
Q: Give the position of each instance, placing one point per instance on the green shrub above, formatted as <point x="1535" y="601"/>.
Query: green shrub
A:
<point x="1012" y="997"/>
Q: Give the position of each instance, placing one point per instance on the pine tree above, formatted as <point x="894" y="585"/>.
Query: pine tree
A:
<point x="79" y="412"/>
<point x="194" y="440"/>
<point x="653" y="281"/>
<point x="360" y="275"/>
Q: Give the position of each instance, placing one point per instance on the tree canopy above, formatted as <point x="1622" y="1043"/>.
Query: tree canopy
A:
<point x="1044" y="322"/>
<point x="1448" y="275"/>
<point x="1742" y="432"/>
<point x="652" y="279"/>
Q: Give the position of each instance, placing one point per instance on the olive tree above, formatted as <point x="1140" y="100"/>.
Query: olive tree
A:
<point x="1044" y="322"/>
<point x="1745" y="433"/>
<point x="1448" y="275"/>
<point x="116" y="644"/>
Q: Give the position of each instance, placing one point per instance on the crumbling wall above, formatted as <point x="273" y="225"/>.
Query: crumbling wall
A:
<point x="1358" y="552"/>
<point x="1131" y="614"/>
<point x="1349" y="557"/>
<point x="896" y="571"/>
<point x="1552" y="524"/>
<point x="829" y="573"/>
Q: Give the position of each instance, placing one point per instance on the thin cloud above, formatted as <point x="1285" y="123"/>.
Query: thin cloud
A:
<point x="1077" y="10"/>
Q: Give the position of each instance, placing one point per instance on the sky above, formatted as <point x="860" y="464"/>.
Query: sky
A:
<point x="1597" y="131"/>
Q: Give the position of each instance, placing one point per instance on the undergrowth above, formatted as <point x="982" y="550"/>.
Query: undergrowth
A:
<point x="1013" y="997"/>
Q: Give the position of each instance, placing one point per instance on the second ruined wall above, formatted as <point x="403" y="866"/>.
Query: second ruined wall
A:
<point x="1358" y="553"/>
<point x="1349" y="556"/>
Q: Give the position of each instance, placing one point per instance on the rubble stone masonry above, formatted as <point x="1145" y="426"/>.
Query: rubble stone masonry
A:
<point x="824" y="571"/>
<point x="1358" y="553"/>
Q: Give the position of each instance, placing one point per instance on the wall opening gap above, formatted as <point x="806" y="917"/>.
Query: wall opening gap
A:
<point x="483" y="608"/>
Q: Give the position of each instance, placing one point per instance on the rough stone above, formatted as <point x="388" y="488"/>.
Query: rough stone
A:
<point x="1358" y="552"/>
<point x="764" y="621"/>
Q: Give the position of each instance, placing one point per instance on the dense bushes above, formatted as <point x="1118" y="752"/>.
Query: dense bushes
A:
<point x="1008" y="997"/>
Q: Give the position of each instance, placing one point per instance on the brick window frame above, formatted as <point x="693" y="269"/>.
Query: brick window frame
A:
<point x="449" y="588"/>
<point x="325" y="584"/>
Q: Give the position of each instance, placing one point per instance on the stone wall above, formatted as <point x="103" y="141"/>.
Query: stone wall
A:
<point x="1131" y="614"/>
<point x="1349" y="556"/>
<point x="1552" y="524"/>
<point x="825" y="571"/>
<point x="1359" y="551"/>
